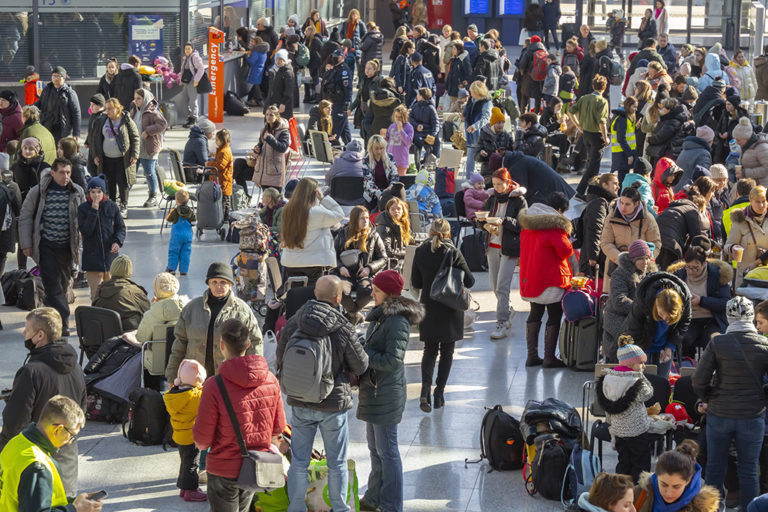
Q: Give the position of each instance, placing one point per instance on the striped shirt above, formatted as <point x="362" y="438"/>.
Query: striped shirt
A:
<point x="55" y="221"/>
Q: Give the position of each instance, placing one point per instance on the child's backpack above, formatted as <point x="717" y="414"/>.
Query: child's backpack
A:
<point x="548" y="467"/>
<point x="501" y="442"/>
<point x="572" y="61"/>
<point x="306" y="374"/>
<point x="580" y="474"/>
<point x="612" y="69"/>
<point x="539" y="69"/>
<point x="147" y="418"/>
<point x="302" y="55"/>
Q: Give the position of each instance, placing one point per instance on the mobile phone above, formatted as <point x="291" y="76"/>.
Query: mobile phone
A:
<point x="98" y="496"/>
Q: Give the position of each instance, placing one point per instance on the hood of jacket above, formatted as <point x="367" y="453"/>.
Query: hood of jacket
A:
<point x="584" y="503"/>
<point x="653" y="283"/>
<point x="536" y="129"/>
<point x="168" y="310"/>
<point x="374" y="34"/>
<point x="247" y="371"/>
<point x="383" y="98"/>
<point x="707" y="500"/>
<point x="726" y="270"/>
<point x="707" y="95"/>
<point x="115" y="286"/>
<point x="127" y="69"/>
<point x="712" y="65"/>
<point x="757" y="139"/>
<point x="694" y="142"/>
<point x="665" y="168"/>
<point x="262" y="47"/>
<point x="540" y="216"/>
<point x="598" y="191"/>
<point x="353" y="157"/>
<point x="320" y="318"/>
<point x="149" y="103"/>
<point x="59" y="355"/>
<point x="197" y="133"/>
<point x="617" y="390"/>
<point x="739" y="216"/>
<point x="177" y="401"/>
<point x="535" y="46"/>
<point x="491" y="55"/>
<point x="678" y="112"/>
<point x="413" y="311"/>
<point x="700" y="171"/>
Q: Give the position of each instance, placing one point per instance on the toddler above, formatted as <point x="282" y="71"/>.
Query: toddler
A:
<point x="182" y="401"/>
<point x="622" y="392"/>
<point x="180" y="247"/>
<point x="475" y="196"/>
<point x="224" y="167"/>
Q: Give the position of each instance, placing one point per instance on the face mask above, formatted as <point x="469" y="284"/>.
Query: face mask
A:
<point x="29" y="344"/>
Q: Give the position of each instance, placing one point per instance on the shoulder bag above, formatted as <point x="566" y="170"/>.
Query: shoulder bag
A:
<point x="260" y="471"/>
<point x="448" y="285"/>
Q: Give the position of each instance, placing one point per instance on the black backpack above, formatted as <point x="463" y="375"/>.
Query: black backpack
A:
<point x="10" y="283"/>
<point x="147" y="418"/>
<point x="30" y="293"/>
<point x="233" y="105"/>
<point x="501" y="442"/>
<point x="548" y="467"/>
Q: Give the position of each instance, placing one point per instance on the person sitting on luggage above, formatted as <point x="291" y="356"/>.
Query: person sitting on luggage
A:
<point x="360" y="253"/>
<point x="120" y="294"/>
<point x="182" y="402"/>
<point x="224" y="168"/>
<point x="493" y="140"/>
<point x="423" y="192"/>
<point x="180" y="247"/>
<point x="622" y="392"/>
<point x="475" y="195"/>
<point x="165" y="309"/>
<point x="271" y="210"/>
<point x="320" y="119"/>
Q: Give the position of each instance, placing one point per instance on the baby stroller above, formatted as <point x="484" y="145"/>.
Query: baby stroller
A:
<point x="210" y="205"/>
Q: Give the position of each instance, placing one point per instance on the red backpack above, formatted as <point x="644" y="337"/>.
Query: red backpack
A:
<point x="539" y="70"/>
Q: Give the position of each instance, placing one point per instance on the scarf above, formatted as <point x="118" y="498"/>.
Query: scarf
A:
<point x="657" y="13"/>
<point x="750" y="214"/>
<point x="740" y="326"/>
<point x="690" y="492"/>
<point x="634" y="215"/>
<point x="351" y="29"/>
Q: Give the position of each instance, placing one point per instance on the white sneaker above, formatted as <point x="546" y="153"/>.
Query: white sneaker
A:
<point x="500" y="331"/>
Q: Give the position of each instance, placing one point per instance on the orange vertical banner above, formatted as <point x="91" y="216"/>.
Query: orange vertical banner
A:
<point x="216" y="74"/>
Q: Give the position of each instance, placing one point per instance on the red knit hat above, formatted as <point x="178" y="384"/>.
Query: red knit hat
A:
<point x="535" y="39"/>
<point x="389" y="281"/>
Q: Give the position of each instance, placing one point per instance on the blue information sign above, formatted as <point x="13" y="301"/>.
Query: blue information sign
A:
<point x="511" y="7"/>
<point x="146" y="36"/>
<point x="477" y="7"/>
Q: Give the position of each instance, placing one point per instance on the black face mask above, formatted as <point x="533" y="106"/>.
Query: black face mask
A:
<point x="29" y="344"/>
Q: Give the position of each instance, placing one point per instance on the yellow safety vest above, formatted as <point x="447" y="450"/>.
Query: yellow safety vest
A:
<point x="19" y="453"/>
<point x="630" y="136"/>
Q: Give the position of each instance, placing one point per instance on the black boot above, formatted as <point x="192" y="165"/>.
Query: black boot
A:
<point x="425" y="402"/>
<point x="439" y="400"/>
<point x="443" y="371"/>
<point x="550" y="345"/>
<point x="532" y="343"/>
<point x="428" y="359"/>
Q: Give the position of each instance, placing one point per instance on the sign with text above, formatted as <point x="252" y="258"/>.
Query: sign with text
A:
<point x="439" y="13"/>
<point x="146" y="34"/>
<point x="511" y="7"/>
<point x="477" y="7"/>
<point x="216" y="74"/>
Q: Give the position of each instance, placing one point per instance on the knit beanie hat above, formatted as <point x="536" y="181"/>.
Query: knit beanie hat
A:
<point x="98" y="99"/>
<point x="706" y="133"/>
<point x="497" y="116"/>
<point x="288" y="189"/>
<point x="31" y="142"/>
<point x="389" y="281"/>
<point x="643" y="166"/>
<point x="354" y="145"/>
<point x="601" y="45"/>
<point x="739" y="308"/>
<point x="642" y="63"/>
<point x="639" y="249"/>
<point x="702" y="241"/>
<point x="60" y="70"/>
<point x="282" y="54"/>
<point x="473" y="28"/>
<point x="122" y="266"/>
<point x="690" y="94"/>
<point x="165" y="286"/>
<point x="718" y="84"/>
<point x="629" y="353"/>
<point x="219" y="270"/>
<point x="718" y="171"/>
<point x="98" y="182"/>
<point x="535" y="39"/>
<point x="463" y="93"/>
<point x="743" y="130"/>
<point x="716" y="49"/>
<point x="734" y="99"/>
<point x="190" y="373"/>
<point x="8" y="95"/>
<point x="476" y="178"/>
<point x="206" y="125"/>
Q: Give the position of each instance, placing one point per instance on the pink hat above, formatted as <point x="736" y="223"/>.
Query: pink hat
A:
<point x="190" y="373"/>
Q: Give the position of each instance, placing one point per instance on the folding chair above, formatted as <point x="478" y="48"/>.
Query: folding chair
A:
<point x="94" y="325"/>
<point x="347" y="188"/>
<point x="321" y="147"/>
<point x="408" y="180"/>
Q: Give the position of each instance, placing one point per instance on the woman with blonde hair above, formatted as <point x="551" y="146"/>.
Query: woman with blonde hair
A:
<point x="400" y="138"/>
<point x="442" y="326"/>
<point x="749" y="230"/>
<point x="354" y="30"/>
<point x="307" y="241"/>
<point x="477" y="114"/>
<point x="379" y="169"/>
<point x="394" y="226"/>
<point x="659" y="318"/>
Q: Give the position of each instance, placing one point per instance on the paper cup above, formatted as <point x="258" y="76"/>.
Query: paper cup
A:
<point x="737" y="252"/>
<point x="481" y="215"/>
<point x="737" y="168"/>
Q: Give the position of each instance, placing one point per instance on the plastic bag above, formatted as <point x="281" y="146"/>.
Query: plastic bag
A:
<point x="317" y="495"/>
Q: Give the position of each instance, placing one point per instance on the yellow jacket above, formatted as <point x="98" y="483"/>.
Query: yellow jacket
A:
<point x="182" y="406"/>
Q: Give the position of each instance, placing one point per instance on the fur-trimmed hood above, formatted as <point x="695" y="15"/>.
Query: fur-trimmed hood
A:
<point x="726" y="270"/>
<point x="708" y="499"/>
<point x="616" y="391"/>
<point x="739" y="216"/>
<point x="413" y="311"/>
<point x="540" y="217"/>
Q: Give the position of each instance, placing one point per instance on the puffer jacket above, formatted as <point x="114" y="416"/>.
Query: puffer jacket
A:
<point x="380" y="107"/>
<point x="721" y="379"/>
<point x="488" y="65"/>
<point x="255" y="396"/>
<point x="474" y="200"/>
<point x="100" y="229"/>
<point x="719" y="276"/>
<point x="713" y="71"/>
<point x="60" y="110"/>
<point x="754" y="158"/>
<point x="491" y="141"/>
<point x="747" y="79"/>
<point x="678" y="225"/>
<point x="623" y="288"/>
<point x="191" y="331"/>
<point x="319" y="318"/>
<point x="374" y="257"/>
<point x="706" y="500"/>
<point x="618" y="233"/>
<point x="696" y="152"/>
<point x="27" y="172"/>
<point x="281" y="85"/>
<point x="553" y="79"/>
<point x="663" y="193"/>
<point x="532" y="141"/>
<point x="383" y="387"/>
<point x="510" y="234"/>
<point x="761" y="74"/>
<point x="623" y="395"/>
<point x="130" y="136"/>
<point x="31" y="217"/>
<point x="196" y="148"/>
<point x="640" y="323"/>
<point x="459" y="72"/>
<point x="11" y="125"/>
<point x="182" y="406"/>
<point x="269" y="170"/>
<point x="348" y="164"/>
<point x="257" y="60"/>
<point x="318" y="243"/>
<point x="667" y="137"/>
<point x="126" y="298"/>
<point x="152" y="123"/>
<point x="748" y="233"/>
<point x="161" y="314"/>
<point x="592" y="222"/>
<point x="390" y="234"/>
<point x="424" y="113"/>
<point x="370" y="47"/>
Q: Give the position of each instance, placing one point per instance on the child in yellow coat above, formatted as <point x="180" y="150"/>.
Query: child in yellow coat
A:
<point x="182" y="401"/>
<point x="224" y="167"/>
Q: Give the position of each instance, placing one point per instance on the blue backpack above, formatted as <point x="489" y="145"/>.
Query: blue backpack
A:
<point x="582" y="469"/>
<point x="578" y="304"/>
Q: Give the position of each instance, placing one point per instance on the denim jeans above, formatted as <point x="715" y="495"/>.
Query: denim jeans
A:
<point x="747" y="435"/>
<point x="150" y="172"/>
<point x="471" y="150"/>
<point x="385" y="483"/>
<point x="333" y="429"/>
<point x="662" y="369"/>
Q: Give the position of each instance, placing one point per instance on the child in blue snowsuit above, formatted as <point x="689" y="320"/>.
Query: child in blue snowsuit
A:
<point x="180" y="247"/>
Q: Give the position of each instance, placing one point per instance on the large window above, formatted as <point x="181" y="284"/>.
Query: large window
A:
<point x="15" y="39"/>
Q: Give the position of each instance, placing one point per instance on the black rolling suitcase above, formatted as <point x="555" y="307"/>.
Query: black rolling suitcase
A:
<point x="579" y="343"/>
<point x="568" y="31"/>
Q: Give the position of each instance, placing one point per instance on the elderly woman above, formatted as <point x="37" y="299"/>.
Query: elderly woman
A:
<point x="122" y="295"/>
<point x="383" y="388"/>
<point x="197" y="331"/>
<point x="116" y="151"/>
<point x="749" y="233"/>
<point x="379" y="169"/>
<point x="34" y="128"/>
<point x="729" y="380"/>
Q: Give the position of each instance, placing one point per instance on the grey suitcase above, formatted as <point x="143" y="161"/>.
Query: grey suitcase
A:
<point x="210" y="208"/>
<point x="580" y="343"/>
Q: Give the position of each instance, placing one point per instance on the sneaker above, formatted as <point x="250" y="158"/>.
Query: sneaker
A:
<point x="151" y="202"/>
<point x="182" y="273"/>
<point x="196" y="495"/>
<point x="500" y="331"/>
<point x="123" y="210"/>
<point x="202" y="476"/>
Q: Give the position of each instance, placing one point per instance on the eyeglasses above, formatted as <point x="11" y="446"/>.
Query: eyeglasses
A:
<point x="72" y="437"/>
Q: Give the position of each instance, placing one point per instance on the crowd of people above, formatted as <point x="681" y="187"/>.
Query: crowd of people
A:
<point x="669" y="233"/>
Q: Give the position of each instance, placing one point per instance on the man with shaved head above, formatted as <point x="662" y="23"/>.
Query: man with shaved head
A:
<point x="321" y="319"/>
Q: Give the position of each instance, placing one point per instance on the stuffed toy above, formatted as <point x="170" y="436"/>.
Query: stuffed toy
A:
<point x="163" y="66"/>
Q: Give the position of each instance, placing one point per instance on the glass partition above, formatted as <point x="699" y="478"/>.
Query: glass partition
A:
<point x="15" y="39"/>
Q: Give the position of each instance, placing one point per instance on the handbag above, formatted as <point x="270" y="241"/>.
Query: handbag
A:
<point x="448" y="285"/>
<point x="186" y="76"/>
<point x="204" y="85"/>
<point x="260" y="471"/>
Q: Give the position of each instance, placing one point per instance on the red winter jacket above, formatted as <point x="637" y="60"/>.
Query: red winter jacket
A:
<point x="544" y="250"/>
<point x="255" y="396"/>
<point x="663" y="194"/>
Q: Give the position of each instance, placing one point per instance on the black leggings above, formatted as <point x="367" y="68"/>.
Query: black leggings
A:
<point x="554" y="313"/>
<point x="429" y="358"/>
<point x="114" y="169"/>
